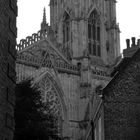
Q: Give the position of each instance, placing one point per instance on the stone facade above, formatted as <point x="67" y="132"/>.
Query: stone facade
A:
<point x="8" y="33"/>
<point x="70" y="61"/>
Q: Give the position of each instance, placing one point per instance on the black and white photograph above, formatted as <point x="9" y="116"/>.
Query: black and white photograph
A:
<point x="69" y="70"/>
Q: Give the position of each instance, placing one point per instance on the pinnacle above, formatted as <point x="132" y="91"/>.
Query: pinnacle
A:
<point x="44" y="15"/>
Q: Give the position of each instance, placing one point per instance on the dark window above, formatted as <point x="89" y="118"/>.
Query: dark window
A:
<point x="66" y="28"/>
<point x="94" y="34"/>
<point x="98" y="33"/>
<point x="89" y="46"/>
<point x="94" y="49"/>
<point x="66" y="35"/>
<point x="99" y="50"/>
<point x="92" y="126"/>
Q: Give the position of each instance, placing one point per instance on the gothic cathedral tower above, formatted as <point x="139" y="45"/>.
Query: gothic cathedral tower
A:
<point x="87" y="28"/>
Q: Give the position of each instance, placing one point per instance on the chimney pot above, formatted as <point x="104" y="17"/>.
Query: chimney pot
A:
<point x="133" y="41"/>
<point x="128" y="43"/>
<point x="138" y="43"/>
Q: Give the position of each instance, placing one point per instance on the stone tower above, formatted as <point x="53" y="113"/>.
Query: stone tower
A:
<point x="87" y="27"/>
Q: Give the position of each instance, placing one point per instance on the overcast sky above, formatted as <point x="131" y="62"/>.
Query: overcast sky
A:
<point x="30" y="13"/>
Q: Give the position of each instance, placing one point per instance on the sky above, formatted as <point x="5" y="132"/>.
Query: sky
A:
<point x="30" y="14"/>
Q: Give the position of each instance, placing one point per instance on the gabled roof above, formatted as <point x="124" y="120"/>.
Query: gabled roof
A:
<point x="31" y="43"/>
<point x="121" y="68"/>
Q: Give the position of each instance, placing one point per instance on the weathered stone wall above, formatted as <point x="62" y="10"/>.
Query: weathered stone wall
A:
<point x="79" y="11"/>
<point x="122" y="103"/>
<point x="24" y="71"/>
<point x="80" y="98"/>
<point x="70" y="84"/>
<point x="8" y="33"/>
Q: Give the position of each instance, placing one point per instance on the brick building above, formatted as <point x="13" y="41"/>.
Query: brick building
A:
<point x="8" y="33"/>
<point x="122" y="97"/>
<point x="116" y="116"/>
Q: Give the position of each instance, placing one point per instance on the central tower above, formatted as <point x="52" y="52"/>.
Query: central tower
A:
<point x="87" y="28"/>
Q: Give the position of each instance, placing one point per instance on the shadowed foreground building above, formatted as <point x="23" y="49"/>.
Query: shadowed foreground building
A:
<point x="8" y="33"/>
<point x="116" y="115"/>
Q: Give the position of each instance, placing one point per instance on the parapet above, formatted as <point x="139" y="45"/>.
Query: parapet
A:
<point x="131" y="49"/>
<point x="24" y="43"/>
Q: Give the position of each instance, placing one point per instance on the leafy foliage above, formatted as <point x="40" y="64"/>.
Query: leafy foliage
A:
<point x="33" y="118"/>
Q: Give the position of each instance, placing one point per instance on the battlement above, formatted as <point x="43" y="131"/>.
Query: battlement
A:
<point x="30" y="40"/>
<point x="131" y="49"/>
<point x="35" y="37"/>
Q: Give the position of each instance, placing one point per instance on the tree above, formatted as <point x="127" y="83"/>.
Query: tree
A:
<point x="33" y="118"/>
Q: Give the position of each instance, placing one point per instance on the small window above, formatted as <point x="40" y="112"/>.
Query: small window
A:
<point x="66" y="28"/>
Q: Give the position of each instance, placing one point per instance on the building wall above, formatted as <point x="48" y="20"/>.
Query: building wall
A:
<point x="8" y="33"/>
<point x="122" y="103"/>
<point x="95" y="129"/>
<point x="70" y="84"/>
<point x="80" y="98"/>
<point x="24" y="71"/>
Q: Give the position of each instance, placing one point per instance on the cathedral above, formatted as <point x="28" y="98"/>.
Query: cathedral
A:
<point x="71" y="59"/>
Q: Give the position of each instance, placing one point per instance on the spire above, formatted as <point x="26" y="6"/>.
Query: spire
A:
<point x="44" y="15"/>
<point x="44" y="23"/>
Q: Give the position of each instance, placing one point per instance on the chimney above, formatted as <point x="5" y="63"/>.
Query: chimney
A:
<point x="130" y="51"/>
<point x="128" y="43"/>
<point x="133" y="41"/>
<point x="138" y="42"/>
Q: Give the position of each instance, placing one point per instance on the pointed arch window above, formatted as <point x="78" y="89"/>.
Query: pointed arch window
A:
<point x="66" y="28"/>
<point x="66" y="36"/>
<point x="94" y="34"/>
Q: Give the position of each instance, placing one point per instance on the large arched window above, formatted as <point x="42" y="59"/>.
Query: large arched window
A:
<point x="66" y="28"/>
<point x="50" y="94"/>
<point x="94" y="34"/>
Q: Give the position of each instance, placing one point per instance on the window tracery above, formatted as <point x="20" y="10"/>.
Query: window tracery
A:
<point x="94" y="47"/>
<point x="49" y="94"/>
